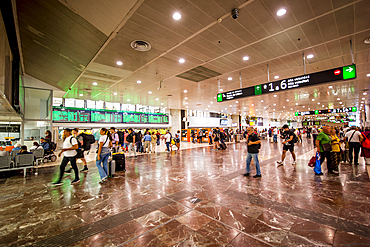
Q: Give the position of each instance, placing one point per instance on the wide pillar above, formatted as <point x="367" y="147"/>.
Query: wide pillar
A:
<point x="175" y="120"/>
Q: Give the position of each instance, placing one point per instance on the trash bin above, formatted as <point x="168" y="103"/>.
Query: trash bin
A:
<point x="237" y="138"/>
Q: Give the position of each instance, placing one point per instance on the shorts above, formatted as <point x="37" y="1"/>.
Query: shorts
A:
<point x="80" y="155"/>
<point x="216" y="139"/>
<point x="290" y="148"/>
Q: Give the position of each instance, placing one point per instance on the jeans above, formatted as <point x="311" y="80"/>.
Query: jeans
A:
<point x="138" y="146"/>
<point x="103" y="170"/>
<point x="210" y="140"/>
<point x="326" y="155"/>
<point x="158" y="140"/>
<point x="124" y="146"/>
<point x="275" y="138"/>
<point x="131" y="147"/>
<point x="256" y="162"/>
<point x="354" y="146"/>
<point x="64" y="164"/>
<point x="314" y="139"/>
<point x="168" y="146"/>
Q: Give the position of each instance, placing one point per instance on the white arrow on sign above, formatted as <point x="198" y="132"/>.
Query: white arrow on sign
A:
<point x="349" y="69"/>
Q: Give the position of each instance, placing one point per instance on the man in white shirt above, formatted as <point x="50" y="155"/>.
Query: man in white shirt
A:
<point x="353" y="139"/>
<point x="168" y="140"/>
<point x="69" y="149"/>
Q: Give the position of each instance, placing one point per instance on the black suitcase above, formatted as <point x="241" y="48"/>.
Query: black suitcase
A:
<point x="120" y="160"/>
<point x="223" y="146"/>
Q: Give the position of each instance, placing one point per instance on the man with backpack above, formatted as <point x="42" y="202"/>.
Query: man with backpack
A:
<point x="254" y="144"/>
<point x="353" y="138"/>
<point x="289" y="139"/>
<point x="131" y="138"/>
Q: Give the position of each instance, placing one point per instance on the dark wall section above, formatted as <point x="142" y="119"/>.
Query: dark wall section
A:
<point x="182" y="117"/>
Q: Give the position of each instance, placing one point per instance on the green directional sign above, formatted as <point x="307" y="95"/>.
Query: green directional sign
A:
<point x="296" y="114"/>
<point x="219" y="97"/>
<point x="354" y="109"/>
<point x="316" y="112"/>
<point x="349" y="72"/>
<point x="258" y="90"/>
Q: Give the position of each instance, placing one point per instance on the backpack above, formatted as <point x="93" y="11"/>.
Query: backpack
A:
<point x="121" y="137"/>
<point x="295" y="138"/>
<point x="87" y="141"/>
<point x="222" y="135"/>
<point x="137" y="137"/>
<point x="130" y="138"/>
<point x="52" y="146"/>
<point x="366" y="142"/>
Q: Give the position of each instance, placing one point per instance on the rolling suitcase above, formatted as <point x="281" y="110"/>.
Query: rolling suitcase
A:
<point x="223" y="146"/>
<point x="111" y="168"/>
<point x="120" y="161"/>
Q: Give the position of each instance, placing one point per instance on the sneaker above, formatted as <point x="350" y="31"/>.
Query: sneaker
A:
<point x="75" y="181"/>
<point x="57" y="183"/>
<point x="257" y="176"/>
<point x="102" y="180"/>
<point x="85" y="169"/>
<point x="280" y="162"/>
<point x="294" y="163"/>
<point x="68" y="171"/>
<point x="246" y="175"/>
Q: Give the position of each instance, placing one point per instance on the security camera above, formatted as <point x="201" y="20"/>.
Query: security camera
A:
<point x="235" y="14"/>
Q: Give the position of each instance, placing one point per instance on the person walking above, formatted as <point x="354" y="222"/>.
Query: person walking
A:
<point x="314" y="135"/>
<point x="105" y="143"/>
<point x="131" y="142"/>
<point x="125" y="143"/>
<point x="168" y="141"/>
<point x="323" y="146"/>
<point x="80" y="151"/>
<point x="353" y="138"/>
<point x="154" y="141"/>
<point x="335" y="150"/>
<point x="139" y="137"/>
<point x="275" y="133"/>
<point x="147" y="141"/>
<point x="158" y="138"/>
<point x="253" y="143"/>
<point x="288" y="144"/>
<point x="115" y="139"/>
<point x="178" y="139"/>
<point x="69" y="150"/>
<point x="365" y="145"/>
<point x="210" y="133"/>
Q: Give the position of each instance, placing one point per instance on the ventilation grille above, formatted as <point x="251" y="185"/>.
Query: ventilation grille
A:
<point x="198" y="74"/>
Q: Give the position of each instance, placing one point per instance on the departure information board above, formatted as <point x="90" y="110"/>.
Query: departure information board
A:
<point x="73" y="115"/>
<point x="337" y="74"/>
<point x="327" y="111"/>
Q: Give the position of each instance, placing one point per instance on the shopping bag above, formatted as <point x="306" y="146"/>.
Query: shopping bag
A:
<point x="312" y="161"/>
<point x="317" y="168"/>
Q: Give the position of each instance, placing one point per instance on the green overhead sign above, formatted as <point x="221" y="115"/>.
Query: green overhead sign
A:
<point x="349" y="72"/>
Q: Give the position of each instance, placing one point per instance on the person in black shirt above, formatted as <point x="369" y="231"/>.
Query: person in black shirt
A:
<point x="288" y="143"/>
<point x="254" y="143"/>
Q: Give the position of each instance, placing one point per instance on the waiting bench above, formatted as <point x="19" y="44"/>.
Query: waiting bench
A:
<point x="21" y="162"/>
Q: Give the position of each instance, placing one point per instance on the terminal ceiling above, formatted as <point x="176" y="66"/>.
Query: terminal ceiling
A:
<point x="73" y="43"/>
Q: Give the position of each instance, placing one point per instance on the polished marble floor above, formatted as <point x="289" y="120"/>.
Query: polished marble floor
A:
<point x="192" y="197"/>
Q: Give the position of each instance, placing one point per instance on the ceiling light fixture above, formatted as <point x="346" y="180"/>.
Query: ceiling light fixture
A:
<point x="245" y="58"/>
<point x="156" y="99"/>
<point x="364" y="93"/>
<point x="237" y="102"/>
<point x="119" y="63"/>
<point x="229" y="78"/>
<point x="95" y="83"/>
<point x="281" y="12"/>
<point x="261" y="100"/>
<point x="313" y="99"/>
<point x="287" y="100"/>
<point x="221" y="90"/>
<point x="276" y="77"/>
<point x="310" y="56"/>
<point x="128" y="99"/>
<point x="211" y="102"/>
<point x="161" y="103"/>
<point x="176" y="16"/>
<point x="115" y="93"/>
<point x="150" y="92"/>
<point x="139" y="81"/>
<point x="330" y="87"/>
<point x="81" y="94"/>
<point x="185" y="91"/>
<point x="363" y="98"/>
<point x="368" y="75"/>
<point x="338" y="98"/>
<point x="181" y="60"/>
<point x="318" y="103"/>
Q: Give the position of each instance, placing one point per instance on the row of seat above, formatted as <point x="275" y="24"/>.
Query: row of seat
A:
<point x="23" y="161"/>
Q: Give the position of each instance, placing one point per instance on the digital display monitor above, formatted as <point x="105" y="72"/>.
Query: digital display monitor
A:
<point x="71" y="116"/>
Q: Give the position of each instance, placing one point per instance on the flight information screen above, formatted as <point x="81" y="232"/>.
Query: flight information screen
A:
<point x="336" y="74"/>
<point x="64" y="115"/>
<point x="72" y="116"/>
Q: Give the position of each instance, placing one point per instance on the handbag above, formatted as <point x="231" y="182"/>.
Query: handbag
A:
<point x="326" y="147"/>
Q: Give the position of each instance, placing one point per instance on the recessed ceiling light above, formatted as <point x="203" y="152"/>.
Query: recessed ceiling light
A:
<point x="95" y="83"/>
<point x="150" y="92"/>
<point x="81" y="94"/>
<point x="115" y="93"/>
<point x="252" y="104"/>
<point x="222" y="110"/>
<point x="211" y="102"/>
<point x="313" y="99"/>
<point x="185" y="91"/>
<point x="187" y="106"/>
<point x="287" y="100"/>
<point x="186" y="103"/>
<point x="291" y="109"/>
<point x="221" y="90"/>
<point x="335" y="93"/>
<point x="161" y="103"/>
<point x="261" y="100"/>
<point x="229" y="78"/>
<point x="245" y="58"/>
<point x="281" y="12"/>
<point x="128" y="99"/>
<point x="276" y="77"/>
<point x="318" y="103"/>
<point x="303" y="106"/>
<point x="322" y="105"/>
<point x="273" y="109"/>
<point x="176" y="16"/>
<point x="310" y="56"/>
<point x="361" y="101"/>
<point x="139" y="81"/>
<point x="206" y="109"/>
<point x="156" y="99"/>
<point x="330" y="86"/>
<point x="368" y="75"/>
<point x="340" y="102"/>
<point x="237" y="102"/>
<point x="209" y="106"/>
<point x="245" y="108"/>
<point x="119" y="63"/>
<point x="231" y="106"/>
<point x="364" y="93"/>
<point x="186" y="98"/>
<point x="225" y="108"/>
<point x="363" y="98"/>
<point x="274" y="104"/>
<point x="338" y="98"/>
<point x="181" y="60"/>
<point x="296" y="103"/>
<point x="283" y="106"/>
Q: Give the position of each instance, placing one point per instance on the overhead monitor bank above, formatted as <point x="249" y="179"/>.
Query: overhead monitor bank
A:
<point x="80" y="115"/>
<point x="336" y="74"/>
